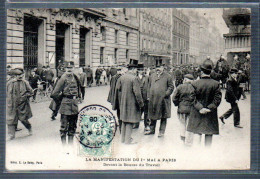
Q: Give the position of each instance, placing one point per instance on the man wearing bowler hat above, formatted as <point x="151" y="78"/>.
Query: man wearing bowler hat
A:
<point x="130" y="102"/>
<point x="160" y="88"/>
<point x="68" y="87"/>
<point x="203" y="114"/>
<point x="233" y="94"/>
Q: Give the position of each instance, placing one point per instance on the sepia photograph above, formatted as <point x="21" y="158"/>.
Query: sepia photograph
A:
<point x="128" y="89"/>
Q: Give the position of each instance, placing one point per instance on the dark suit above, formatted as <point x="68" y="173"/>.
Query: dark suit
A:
<point x="233" y="94"/>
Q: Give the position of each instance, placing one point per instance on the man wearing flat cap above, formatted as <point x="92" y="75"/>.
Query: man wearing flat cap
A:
<point x="233" y="94"/>
<point x="203" y="114"/>
<point x="160" y="88"/>
<point x="68" y="87"/>
<point x="129" y="99"/>
<point x="18" y="107"/>
<point x="184" y="97"/>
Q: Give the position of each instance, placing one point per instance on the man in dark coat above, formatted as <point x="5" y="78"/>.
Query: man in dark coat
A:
<point x="98" y="75"/>
<point x="111" y="96"/>
<point x="233" y="95"/>
<point x="222" y="68"/>
<point x="178" y="76"/>
<point x="17" y="101"/>
<point x="184" y="97"/>
<point x="33" y="80"/>
<point x="113" y="71"/>
<point x="83" y="83"/>
<point x="89" y="74"/>
<point x="159" y="108"/>
<point x="108" y="73"/>
<point x="143" y="80"/>
<point x="69" y="86"/>
<point x="203" y="114"/>
<point x="130" y="102"/>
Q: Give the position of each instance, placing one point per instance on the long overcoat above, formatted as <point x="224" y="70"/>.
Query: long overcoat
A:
<point x="207" y="95"/>
<point x="111" y="94"/>
<point x="128" y="92"/>
<point x="17" y="103"/>
<point x="159" y="92"/>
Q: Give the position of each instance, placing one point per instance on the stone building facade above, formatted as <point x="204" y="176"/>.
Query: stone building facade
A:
<point x="194" y="41"/>
<point x="41" y="37"/>
<point x="180" y="37"/>
<point x="155" y="36"/>
<point x="238" y="40"/>
<point x="205" y="37"/>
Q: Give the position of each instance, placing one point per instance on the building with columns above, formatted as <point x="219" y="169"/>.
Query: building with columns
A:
<point x="238" y="40"/>
<point x="41" y="37"/>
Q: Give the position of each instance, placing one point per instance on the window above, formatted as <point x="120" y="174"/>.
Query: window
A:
<point x="127" y="54"/>
<point x="115" y="55"/>
<point x="101" y="55"/>
<point x="62" y="43"/>
<point x="31" y="26"/>
<point x="175" y="42"/>
<point x="82" y="47"/>
<point x="116" y="36"/>
<point x="103" y="33"/>
<point x="127" y="38"/>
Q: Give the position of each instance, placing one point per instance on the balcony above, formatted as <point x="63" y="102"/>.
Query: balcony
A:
<point x="236" y="16"/>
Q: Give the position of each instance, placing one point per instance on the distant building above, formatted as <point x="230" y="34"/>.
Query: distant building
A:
<point x="194" y="37"/>
<point x="155" y="36"/>
<point x="180" y="37"/>
<point x="238" y="40"/>
<point x="205" y="37"/>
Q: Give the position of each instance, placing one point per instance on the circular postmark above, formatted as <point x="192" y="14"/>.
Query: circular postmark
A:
<point x="97" y="126"/>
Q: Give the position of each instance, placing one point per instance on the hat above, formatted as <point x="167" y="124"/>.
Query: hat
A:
<point x="207" y="66"/>
<point x="132" y="66"/>
<point x="233" y="70"/>
<point x="69" y="64"/>
<point x="11" y="72"/>
<point x="20" y="69"/>
<point x="140" y="66"/>
<point x="189" y="76"/>
<point x="133" y="61"/>
<point x="17" y="72"/>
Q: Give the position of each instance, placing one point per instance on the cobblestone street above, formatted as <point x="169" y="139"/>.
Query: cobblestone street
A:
<point x="45" y="142"/>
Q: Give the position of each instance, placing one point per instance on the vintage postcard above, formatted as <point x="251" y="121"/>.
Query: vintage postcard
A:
<point x="128" y="89"/>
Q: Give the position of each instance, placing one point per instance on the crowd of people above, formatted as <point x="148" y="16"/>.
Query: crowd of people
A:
<point x="196" y="92"/>
<point x="137" y="91"/>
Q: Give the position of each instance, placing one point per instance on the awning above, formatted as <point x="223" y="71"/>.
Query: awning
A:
<point x="159" y="55"/>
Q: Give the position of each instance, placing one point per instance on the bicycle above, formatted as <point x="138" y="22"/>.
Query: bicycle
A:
<point x="43" y="94"/>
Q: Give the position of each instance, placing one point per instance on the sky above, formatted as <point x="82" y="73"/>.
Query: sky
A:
<point x="215" y="13"/>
